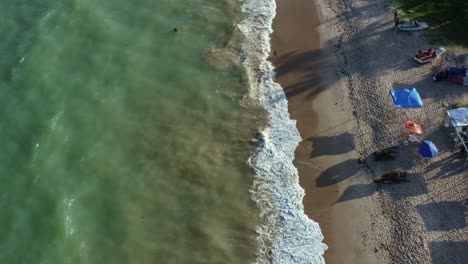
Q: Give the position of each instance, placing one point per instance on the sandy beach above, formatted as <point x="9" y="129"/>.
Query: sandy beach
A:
<point x="336" y="64"/>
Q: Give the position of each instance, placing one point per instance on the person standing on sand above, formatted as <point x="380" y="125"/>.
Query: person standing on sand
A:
<point x="396" y="18"/>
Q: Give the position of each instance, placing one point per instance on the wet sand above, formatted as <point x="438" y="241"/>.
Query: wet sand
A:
<point x="329" y="61"/>
<point x="303" y="54"/>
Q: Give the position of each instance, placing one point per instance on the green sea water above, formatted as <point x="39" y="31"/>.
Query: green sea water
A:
<point x="123" y="141"/>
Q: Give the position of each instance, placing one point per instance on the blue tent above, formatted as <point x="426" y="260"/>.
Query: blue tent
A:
<point x="406" y="99"/>
<point x="428" y="149"/>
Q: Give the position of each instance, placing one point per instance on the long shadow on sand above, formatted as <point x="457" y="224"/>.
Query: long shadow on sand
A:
<point x="415" y="187"/>
<point x="309" y="68"/>
<point x="458" y="252"/>
<point x="333" y="145"/>
<point x="443" y="216"/>
<point x="358" y="191"/>
<point x="338" y="173"/>
<point x="450" y="166"/>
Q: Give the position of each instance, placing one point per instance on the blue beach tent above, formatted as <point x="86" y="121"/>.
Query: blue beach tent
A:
<point x="405" y="98"/>
<point x="428" y="149"/>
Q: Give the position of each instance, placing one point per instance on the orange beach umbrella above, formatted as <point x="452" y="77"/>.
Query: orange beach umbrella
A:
<point x="413" y="127"/>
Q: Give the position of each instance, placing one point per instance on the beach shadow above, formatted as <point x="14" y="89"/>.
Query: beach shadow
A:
<point x="309" y="68"/>
<point x="447" y="165"/>
<point x="459" y="60"/>
<point x="334" y="145"/>
<point x="449" y="252"/>
<point x="348" y="8"/>
<point x="408" y="63"/>
<point x="443" y="216"/>
<point x="414" y="187"/>
<point x="450" y="166"/>
<point x="358" y="191"/>
<point x="396" y="190"/>
<point x="401" y="85"/>
<point x="337" y="173"/>
<point x="446" y="19"/>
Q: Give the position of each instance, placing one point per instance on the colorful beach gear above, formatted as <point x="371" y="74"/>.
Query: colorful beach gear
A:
<point x="405" y="98"/>
<point x="458" y="117"/>
<point x="414" y="127"/>
<point x="428" y="149"/>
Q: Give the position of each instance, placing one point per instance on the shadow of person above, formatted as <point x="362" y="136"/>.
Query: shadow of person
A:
<point x="450" y="166"/>
<point x="338" y="173"/>
<point x="334" y="145"/>
<point x="358" y="191"/>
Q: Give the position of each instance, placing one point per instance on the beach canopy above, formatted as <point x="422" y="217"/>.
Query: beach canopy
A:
<point x="413" y="127"/>
<point x="428" y="149"/>
<point x="458" y="117"/>
<point x="405" y="98"/>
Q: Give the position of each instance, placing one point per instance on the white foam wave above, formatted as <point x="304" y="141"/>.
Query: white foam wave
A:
<point x="286" y="234"/>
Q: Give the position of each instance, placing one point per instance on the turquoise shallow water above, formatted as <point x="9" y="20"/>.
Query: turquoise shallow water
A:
<point x="122" y="141"/>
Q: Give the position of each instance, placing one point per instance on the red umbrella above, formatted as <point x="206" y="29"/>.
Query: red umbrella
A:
<point x="413" y="127"/>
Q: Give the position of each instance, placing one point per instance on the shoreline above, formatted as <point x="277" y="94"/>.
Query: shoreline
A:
<point x="285" y="234"/>
<point x="326" y="159"/>
<point x="337" y="81"/>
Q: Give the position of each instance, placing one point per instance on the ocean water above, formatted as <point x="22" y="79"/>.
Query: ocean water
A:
<point x="123" y="141"/>
<point x="126" y="142"/>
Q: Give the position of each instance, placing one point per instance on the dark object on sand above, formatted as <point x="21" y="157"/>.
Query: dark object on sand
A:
<point x="413" y="25"/>
<point x="386" y="154"/>
<point x="396" y="18"/>
<point x="429" y="55"/>
<point x="441" y="75"/>
<point x="175" y="29"/>
<point x="397" y="21"/>
<point x="393" y="177"/>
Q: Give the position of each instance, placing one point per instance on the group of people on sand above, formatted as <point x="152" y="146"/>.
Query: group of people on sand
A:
<point x="424" y="55"/>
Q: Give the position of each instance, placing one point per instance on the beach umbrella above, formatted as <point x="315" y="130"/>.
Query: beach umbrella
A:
<point x="405" y="98"/>
<point x="428" y="149"/>
<point x="413" y="127"/>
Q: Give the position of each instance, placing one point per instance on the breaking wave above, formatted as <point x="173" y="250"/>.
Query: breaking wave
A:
<point x="286" y="234"/>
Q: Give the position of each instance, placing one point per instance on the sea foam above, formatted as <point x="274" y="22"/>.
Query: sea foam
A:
<point x="286" y="234"/>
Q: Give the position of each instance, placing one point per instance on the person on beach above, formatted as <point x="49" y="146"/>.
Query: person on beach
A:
<point x="420" y="54"/>
<point x="396" y="19"/>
